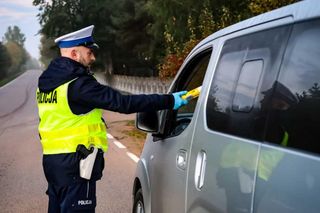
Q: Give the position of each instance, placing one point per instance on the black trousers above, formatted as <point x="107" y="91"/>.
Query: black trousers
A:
<point x="78" y="197"/>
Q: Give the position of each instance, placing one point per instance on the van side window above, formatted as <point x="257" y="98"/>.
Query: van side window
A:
<point x="297" y="110"/>
<point x="247" y="67"/>
<point x="191" y="77"/>
<point x="194" y="80"/>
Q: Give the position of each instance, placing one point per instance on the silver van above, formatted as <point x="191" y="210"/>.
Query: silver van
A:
<point x="250" y="142"/>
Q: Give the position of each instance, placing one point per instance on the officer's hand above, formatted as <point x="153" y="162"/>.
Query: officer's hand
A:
<point x="178" y="101"/>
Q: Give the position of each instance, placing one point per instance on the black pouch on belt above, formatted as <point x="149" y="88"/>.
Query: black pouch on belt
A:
<point x="83" y="151"/>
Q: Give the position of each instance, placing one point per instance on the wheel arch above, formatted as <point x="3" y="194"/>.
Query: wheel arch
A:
<point x="142" y="181"/>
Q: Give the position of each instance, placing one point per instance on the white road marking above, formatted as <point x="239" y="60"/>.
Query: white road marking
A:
<point x="133" y="157"/>
<point x="110" y="136"/>
<point x="119" y="145"/>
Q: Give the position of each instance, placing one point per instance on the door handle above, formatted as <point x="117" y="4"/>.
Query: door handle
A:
<point x="200" y="169"/>
<point x="181" y="160"/>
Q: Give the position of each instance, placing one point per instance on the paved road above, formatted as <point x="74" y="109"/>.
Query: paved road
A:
<point x="22" y="183"/>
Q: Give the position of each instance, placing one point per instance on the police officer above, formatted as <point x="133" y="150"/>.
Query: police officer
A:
<point x="70" y="103"/>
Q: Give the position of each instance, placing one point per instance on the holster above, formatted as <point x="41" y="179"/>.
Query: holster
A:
<point x="88" y="157"/>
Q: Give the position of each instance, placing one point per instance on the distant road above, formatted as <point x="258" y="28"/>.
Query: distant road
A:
<point x="22" y="182"/>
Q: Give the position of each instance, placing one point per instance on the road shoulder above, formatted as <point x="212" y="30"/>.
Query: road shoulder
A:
<point x="122" y="128"/>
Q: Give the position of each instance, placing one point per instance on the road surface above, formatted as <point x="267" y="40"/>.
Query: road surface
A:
<point x="22" y="182"/>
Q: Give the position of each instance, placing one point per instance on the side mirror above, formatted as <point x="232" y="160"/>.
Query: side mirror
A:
<point x="148" y="121"/>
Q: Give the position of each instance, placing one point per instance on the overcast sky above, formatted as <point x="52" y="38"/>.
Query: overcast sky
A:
<point x="22" y="14"/>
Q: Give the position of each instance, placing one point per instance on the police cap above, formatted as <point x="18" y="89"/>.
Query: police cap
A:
<point x="82" y="37"/>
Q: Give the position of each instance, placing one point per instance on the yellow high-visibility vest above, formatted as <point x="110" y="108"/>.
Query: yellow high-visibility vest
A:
<point x="61" y="131"/>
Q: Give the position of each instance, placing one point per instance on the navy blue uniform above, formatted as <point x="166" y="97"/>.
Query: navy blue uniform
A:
<point x="84" y="95"/>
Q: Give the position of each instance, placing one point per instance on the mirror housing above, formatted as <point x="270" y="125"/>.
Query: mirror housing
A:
<point x="148" y="122"/>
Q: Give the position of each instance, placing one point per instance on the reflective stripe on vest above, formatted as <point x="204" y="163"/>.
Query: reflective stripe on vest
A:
<point x="61" y="131"/>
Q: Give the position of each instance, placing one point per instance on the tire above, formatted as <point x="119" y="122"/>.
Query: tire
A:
<point x="138" y="204"/>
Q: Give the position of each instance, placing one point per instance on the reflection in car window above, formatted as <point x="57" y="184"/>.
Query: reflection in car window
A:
<point x="300" y="74"/>
<point x="248" y="66"/>
<point x="247" y="85"/>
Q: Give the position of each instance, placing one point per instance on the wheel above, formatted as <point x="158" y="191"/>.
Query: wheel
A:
<point x="138" y="205"/>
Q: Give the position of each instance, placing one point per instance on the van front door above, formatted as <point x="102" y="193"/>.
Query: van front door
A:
<point x="168" y="163"/>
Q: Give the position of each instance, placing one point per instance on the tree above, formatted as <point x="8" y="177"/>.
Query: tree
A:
<point x="132" y="23"/>
<point x="314" y="91"/>
<point x="58" y="17"/>
<point x="14" y="34"/>
<point x="48" y="50"/>
<point x="5" y="61"/>
<point x="18" y="56"/>
<point x="143" y="33"/>
<point x="14" y="42"/>
<point x="204" y="18"/>
<point x="258" y="6"/>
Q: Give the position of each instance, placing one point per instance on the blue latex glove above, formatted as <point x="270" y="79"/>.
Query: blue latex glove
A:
<point x="178" y="101"/>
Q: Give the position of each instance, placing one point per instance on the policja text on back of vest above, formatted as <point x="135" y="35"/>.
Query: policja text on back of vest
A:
<point x="50" y="97"/>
